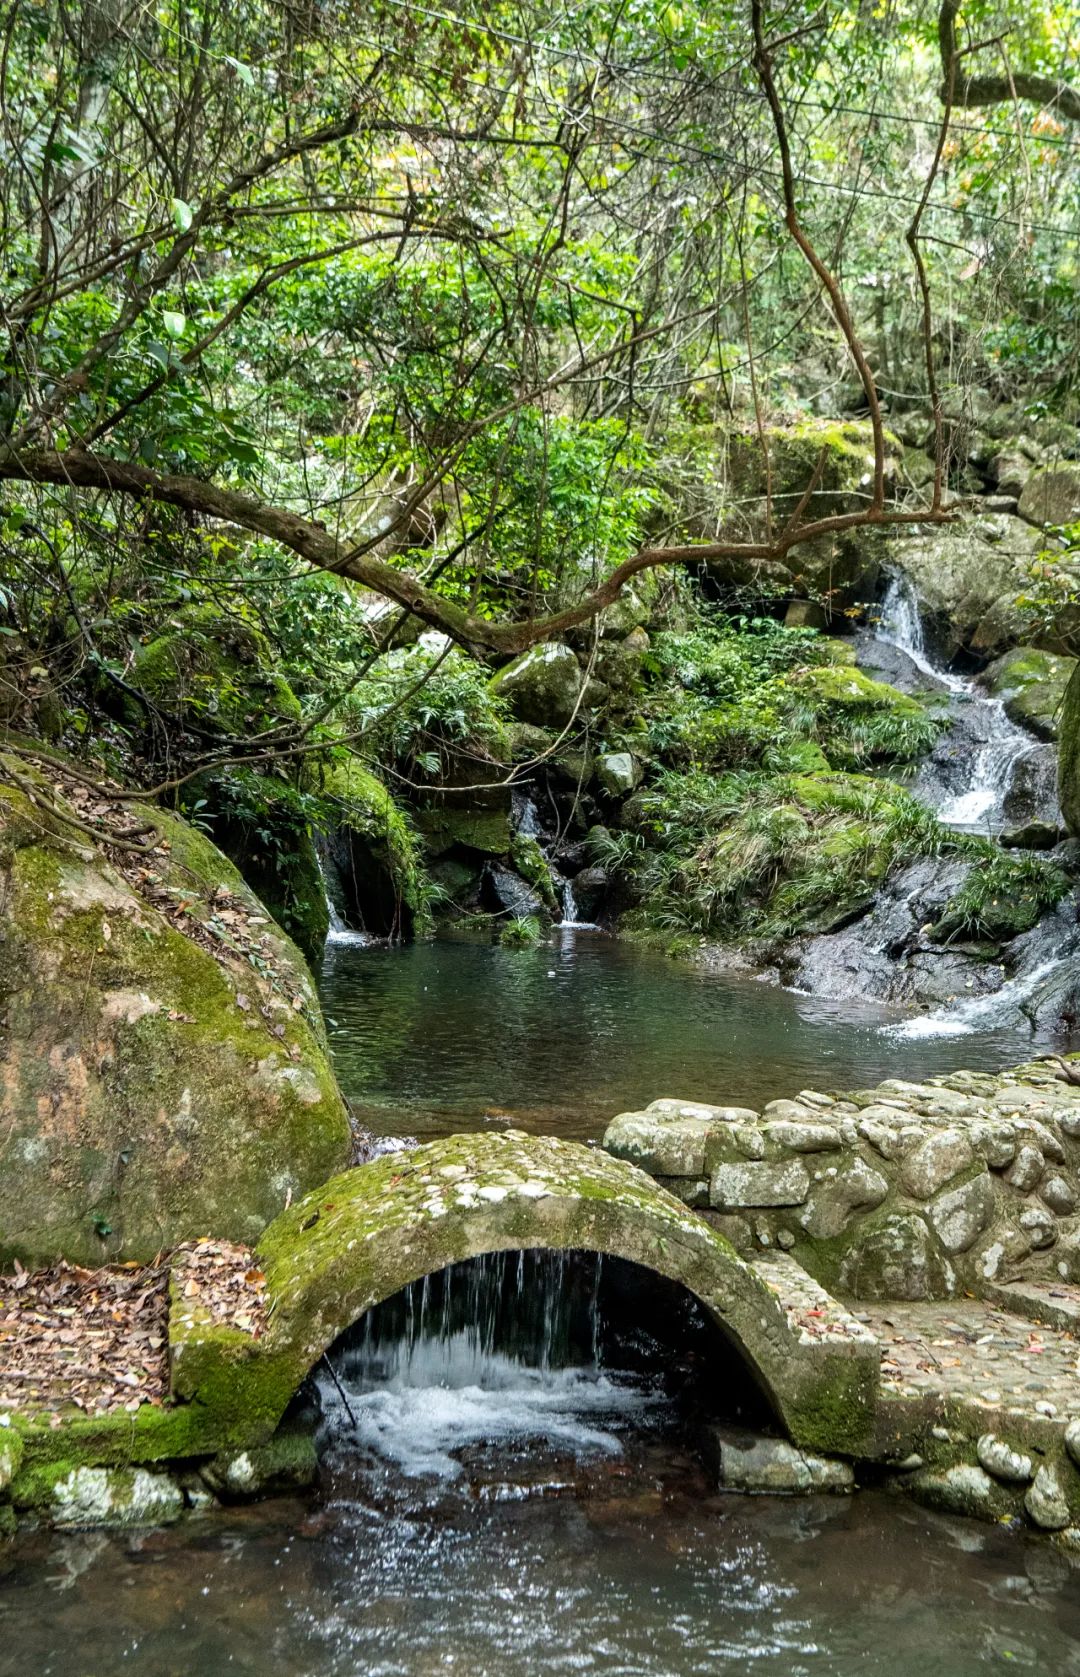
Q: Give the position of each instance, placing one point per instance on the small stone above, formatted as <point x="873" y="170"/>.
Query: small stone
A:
<point x="939" y="1158"/>
<point x="785" y="1239"/>
<point x="1039" y="1227"/>
<point x="998" y="1145"/>
<point x="750" y="1142"/>
<point x="1045" y="1500"/>
<point x="1002" y="1461"/>
<point x="1058" y="1195"/>
<point x="1026" y="1169"/>
<point x="1072" y="1440"/>
<point x="618" y="772"/>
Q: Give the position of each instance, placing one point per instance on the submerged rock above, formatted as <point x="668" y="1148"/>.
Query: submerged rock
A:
<point x="746" y="1461"/>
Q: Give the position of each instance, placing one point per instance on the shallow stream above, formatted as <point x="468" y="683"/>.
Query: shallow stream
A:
<point x="515" y="1516"/>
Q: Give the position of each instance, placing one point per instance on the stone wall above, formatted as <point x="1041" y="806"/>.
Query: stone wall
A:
<point x="905" y="1191"/>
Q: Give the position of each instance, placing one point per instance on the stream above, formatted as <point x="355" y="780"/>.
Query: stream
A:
<point x="511" y="1506"/>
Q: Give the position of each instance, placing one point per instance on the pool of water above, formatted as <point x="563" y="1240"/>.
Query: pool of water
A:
<point x="540" y="1521"/>
<point x="454" y="1035"/>
<point x="625" y="1567"/>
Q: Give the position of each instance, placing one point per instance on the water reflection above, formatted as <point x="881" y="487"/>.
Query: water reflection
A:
<point x="462" y="1035"/>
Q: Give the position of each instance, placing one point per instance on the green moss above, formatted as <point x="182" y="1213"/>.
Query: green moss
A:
<point x="219" y="666"/>
<point x="154" y="1092"/>
<point x="523" y="932"/>
<point x="483" y="830"/>
<point x="527" y="858"/>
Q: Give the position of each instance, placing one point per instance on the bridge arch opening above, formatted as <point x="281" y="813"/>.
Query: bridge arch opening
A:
<point x="548" y="1356"/>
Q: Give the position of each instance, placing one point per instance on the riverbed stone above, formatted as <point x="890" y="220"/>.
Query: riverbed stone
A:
<point x="1045" y="1501"/>
<point x="752" y="1185"/>
<point x="935" y="1161"/>
<point x="833" y="1201"/>
<point x="962" y="1489"/>
<point x="1039" y="1226"/>
<point x="1000" y="1459"/>
<point x="746" y="1461"/>
<point x="115" y="1496"/>
<point x="958" y="1216"/>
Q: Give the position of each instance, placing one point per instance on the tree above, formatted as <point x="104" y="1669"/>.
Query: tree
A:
<point x="182" y="185"/>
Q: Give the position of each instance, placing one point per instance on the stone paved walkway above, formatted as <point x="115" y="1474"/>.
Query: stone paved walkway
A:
<point x="968" y="1350"/>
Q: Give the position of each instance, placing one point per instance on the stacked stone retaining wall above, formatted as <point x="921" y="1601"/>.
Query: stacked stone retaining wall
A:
<point x="910" y="1191"/>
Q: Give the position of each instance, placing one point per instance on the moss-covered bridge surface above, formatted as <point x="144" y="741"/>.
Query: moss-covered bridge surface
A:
<point x="367" y="1233"/>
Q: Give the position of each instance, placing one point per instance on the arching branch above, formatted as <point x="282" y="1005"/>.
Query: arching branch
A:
<point x="1000" y="89"/>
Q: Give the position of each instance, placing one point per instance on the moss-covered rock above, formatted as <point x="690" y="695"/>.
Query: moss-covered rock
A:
<point x="1031" y="685"/>
<point x="376" y="851"/>
<point x="856" y="718"/>
<point x="165" y="1073"/>
<point x="1069" y="755"/>
<point x="217" y="668"/>
<point x="542" y="686"/>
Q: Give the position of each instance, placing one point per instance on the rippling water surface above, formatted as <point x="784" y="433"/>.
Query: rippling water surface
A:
<point x="455" y="1035"/>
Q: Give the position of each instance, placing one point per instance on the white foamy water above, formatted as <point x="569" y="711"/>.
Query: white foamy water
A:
<point x="981" y="801"/>
<point x="979" y="1013"/>
<point x="419" y="1421"/>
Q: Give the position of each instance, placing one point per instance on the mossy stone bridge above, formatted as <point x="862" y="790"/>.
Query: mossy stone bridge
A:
<point x="369" y="1232"/>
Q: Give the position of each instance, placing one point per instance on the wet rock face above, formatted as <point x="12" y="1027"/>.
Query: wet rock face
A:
<point x="1052" y="496"/>
<point x="968" y="577"/>
<point x="1031" y="684"/>
<point x="907" y="1191"/>
<point x="152" y="1090"/>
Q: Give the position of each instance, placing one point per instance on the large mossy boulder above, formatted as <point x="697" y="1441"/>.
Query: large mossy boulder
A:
<point x="968" y="577"/>
<point x="1069" y="756"/>
<point x="217" y="668"/>
<point x="542" y="686"/>
<point x="165" y="1072"/>
<point x="837" y="457"/>
<point x="1052" y="496"/>
<point x="1031" y="685"/>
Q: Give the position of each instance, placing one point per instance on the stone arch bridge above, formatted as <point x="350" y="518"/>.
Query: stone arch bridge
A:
<point x="367" y="1233"/>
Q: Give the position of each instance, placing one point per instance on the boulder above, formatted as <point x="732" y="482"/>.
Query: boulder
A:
<point x="1045" y="1500"/>
<point x="968" y="577"/>
<point x="1052" y="496"/>
<point x="1069" y="757"/>
<point x="895" y="1256"/>
<point x="542" y="686"/>
<point x="165" y="1073"/>
<point x="1031" y="685"/>
<point x="618" y="772"/>
<point x="959" y="1215"/>
<point x="758" y="1184"/>
<point x="1011" y="1466"/>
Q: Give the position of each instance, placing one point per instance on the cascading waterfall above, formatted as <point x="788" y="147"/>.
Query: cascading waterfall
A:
<point x="499" y="1349"/>
<point x="979" y="802"/>
<point x="337" y="930"/>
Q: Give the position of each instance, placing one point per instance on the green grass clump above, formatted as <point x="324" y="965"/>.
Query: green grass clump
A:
<point x="1002" y="895"/>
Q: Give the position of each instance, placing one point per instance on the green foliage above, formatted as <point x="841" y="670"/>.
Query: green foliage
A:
<point x="1002" y="895"/>
<point x="523" y="932"/>
<point x="749" y="854"/>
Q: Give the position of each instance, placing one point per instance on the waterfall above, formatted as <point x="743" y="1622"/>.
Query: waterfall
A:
<point x="499" y="1349"/>
<point x="337" y="930"/>
<point x="981" y="1013"/>
<point x="978" y="801"/>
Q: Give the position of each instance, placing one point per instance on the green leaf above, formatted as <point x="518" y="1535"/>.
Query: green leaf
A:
<point x="159" y="352"/>
<point x="182" y="214"/>
<point x="244" y="71"/>
<point x="175" y="323"/>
